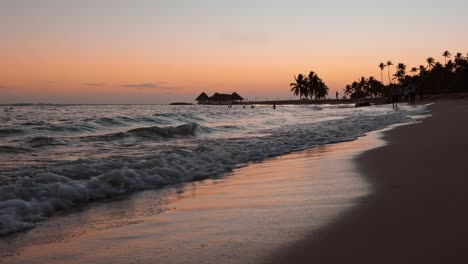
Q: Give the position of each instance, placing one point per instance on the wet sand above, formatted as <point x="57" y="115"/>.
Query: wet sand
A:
<point x="242" y="217"/>
<point x="417" y="211"/>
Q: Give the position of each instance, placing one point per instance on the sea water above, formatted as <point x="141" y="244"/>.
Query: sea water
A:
<point x="53" y="157"/>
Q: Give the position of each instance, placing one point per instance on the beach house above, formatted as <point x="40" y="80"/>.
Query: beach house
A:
<point x="219" y="99"/>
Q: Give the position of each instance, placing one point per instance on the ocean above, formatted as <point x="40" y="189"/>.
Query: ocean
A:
<point x="53" y="157"/>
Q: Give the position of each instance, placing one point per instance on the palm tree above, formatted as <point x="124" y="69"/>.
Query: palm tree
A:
<point x="353" y="90"/>
<point x="348" y="90"/>
<point x="446" y="54"/>
<point x="458" y="60"/>
<point x="414" y="70"/>
<point x="312" y="84"/>
<point x="430" y="63"/>
<point x="382" y="67"/>
<point x="422" y="70"/>
<point x="321" y="90"/>
<point x="362" y="86"/>
<point x="389" y="63"/>
<point x="315" y="86"/>
<point x="401" y="72"/>
<point x="298" y="87"/>
<point x="374" y="87"/>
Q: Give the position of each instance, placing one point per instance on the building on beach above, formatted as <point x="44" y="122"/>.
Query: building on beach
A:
<point x="219" y="99"/>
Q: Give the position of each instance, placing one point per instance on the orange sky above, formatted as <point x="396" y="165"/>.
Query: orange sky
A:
<point x="151" y="52"/>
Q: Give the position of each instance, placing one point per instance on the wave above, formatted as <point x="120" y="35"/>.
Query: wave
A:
<point x="37" y="123"/>
<point x="107" y="121"/>
<point x="37" y="192"/>
<point x="13" y="150"/>
<point x="165" y="132"/>
<point x="38" y="142"/>
<point x="4" y="132"/>
<point x="154" y="133"/>
<point x="66" y="128"/>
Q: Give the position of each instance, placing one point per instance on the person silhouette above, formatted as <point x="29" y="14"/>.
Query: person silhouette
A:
<point x="274" y="106"/>
<point x="412" y="93"/>
<point x="395" y="93"/>
<point x="337" y="95"/>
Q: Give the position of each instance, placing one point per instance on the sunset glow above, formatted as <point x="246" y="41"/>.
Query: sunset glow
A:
<point x="164" y="51"/>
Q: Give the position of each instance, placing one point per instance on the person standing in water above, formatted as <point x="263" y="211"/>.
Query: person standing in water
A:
<point x="336" y="94"/>
<point x="412" y="93"/>
<point x="274" y="106"/>
<point x="395" y="93"/>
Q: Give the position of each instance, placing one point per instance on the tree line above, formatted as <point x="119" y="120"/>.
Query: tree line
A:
<point x="309" y="86"/>
<point x="432" y="78"/>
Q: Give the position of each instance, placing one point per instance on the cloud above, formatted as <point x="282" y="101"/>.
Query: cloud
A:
<point x="157" y="85"/>
<point x="94" y="84"/>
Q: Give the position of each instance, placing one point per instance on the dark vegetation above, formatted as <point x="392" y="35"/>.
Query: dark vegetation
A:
<point x="309" y="86"/>
<point x="451" y="76"/>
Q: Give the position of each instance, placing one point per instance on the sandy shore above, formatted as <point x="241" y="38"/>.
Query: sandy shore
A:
<point x="240" y="218"/>
<point x="418" y="209"/>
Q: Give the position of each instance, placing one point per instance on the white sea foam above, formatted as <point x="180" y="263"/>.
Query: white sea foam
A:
<point x="32" y="193"/>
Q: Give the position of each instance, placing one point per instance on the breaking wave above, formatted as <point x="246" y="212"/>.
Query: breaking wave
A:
<point x="165" y="132"/>
<point x="32" y="193"/>
<point x="154" y="133"/>
<point x="10" y="131"/>
<point x="38" y="142"/>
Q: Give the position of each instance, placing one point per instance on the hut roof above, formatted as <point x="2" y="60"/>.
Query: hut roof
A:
<point x="236" y="97"/>
<point x="203" y="97"/>
<point x="221" y="97"/>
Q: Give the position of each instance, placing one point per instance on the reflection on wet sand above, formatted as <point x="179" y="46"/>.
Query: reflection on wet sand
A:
<point x="238" y="218"/>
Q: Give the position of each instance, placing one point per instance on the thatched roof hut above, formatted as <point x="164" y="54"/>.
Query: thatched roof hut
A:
<point x="236" y="97"/>
<point x="202" y="97"/>
<point x="218" y="98"/>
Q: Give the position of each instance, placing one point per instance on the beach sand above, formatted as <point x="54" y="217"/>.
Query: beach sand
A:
<point x="243" y="217"/>
<point x="417" y="211"/>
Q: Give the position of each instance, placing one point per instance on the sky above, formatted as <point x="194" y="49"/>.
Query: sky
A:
<point x="161" y="51"/>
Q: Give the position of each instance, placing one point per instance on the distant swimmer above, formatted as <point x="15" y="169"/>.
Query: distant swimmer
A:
<point x="244" y="106"/>
<point x="252" y="106"/>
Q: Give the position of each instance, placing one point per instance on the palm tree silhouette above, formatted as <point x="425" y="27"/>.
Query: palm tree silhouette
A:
<point x="422" y="70"/>
<point x="298" y="87"/>
<point x="414" y="70"/>
<point x="430" y="62"/>
<point x="353" y="90"/>
<point x="382" y="67"/>
<point x="374" y="87"/>
<point x="312" y="84"/>
<point x="458" y="59"/>
<point x="446" y="54"/>
<point x="389" y="63"/>
<point x="321" y="91"/>
<point x="401" y="72"/>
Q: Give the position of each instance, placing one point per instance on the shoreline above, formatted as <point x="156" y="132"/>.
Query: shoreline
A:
<point x="240" y="218"/>
<point x="417" y="210"/>
<point x="429" y="98"/>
